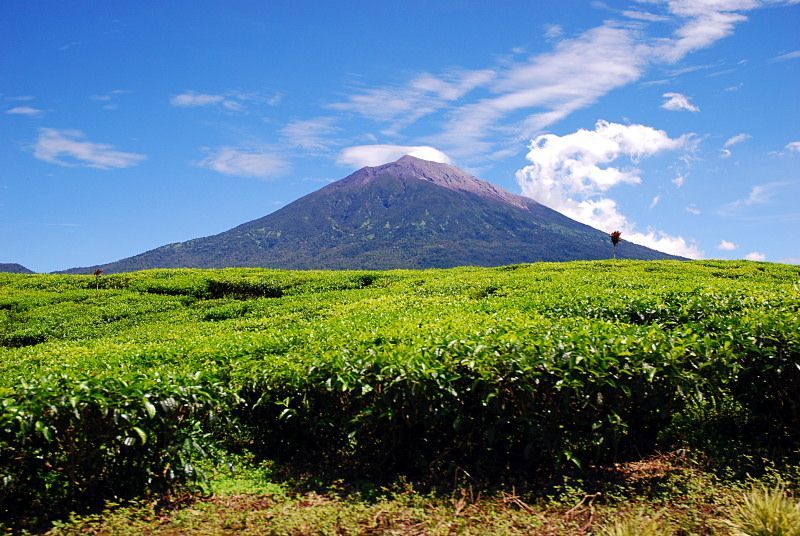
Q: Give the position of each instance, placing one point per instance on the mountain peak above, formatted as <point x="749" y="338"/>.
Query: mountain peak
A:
<point x="448" y="176"/>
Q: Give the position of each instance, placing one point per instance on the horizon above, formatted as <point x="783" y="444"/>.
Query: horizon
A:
<point x="127" y="127"/>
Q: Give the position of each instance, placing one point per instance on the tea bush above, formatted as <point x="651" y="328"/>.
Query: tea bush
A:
<point x="69" y="442"/>
<point x="518" y="370"/>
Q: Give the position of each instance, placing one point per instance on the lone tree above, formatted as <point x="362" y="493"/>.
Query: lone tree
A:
<point x="615" y="238"/>
<point x="97" y="274"/>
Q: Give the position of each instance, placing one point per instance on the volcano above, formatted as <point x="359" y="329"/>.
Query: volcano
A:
<point x="411" y="213"/>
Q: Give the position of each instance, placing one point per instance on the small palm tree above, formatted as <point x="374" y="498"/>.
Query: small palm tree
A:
<point x="615" y="238"/>
<point x="97" y="274"/>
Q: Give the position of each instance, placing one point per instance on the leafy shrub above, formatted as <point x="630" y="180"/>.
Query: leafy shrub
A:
<point x="71" y="442"/>
<point x="493" y="402"/>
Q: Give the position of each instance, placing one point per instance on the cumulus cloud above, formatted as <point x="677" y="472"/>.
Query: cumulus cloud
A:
<point x="677" y="102"/>
<point x="310" y="134"/>
<point x="755" y="256"/>
<point x="375" y="155"/>
<point x="69" y="148"/>
<point x="24" y="110"/>
<point x="245" y="162"/>
<point x="572" y="174"/>
<point x="793" y="147"/>
<point x="726" y="245"/>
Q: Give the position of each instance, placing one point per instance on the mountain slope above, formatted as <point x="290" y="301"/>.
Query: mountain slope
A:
<point x="14" y="268"/>
<point x="407" y="214"/>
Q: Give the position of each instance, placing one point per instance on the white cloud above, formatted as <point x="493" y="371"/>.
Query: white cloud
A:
<point x="726" y="245"/>
<point x="759" y="194"/>
<point x="733" y="140"/>
<point x="259" y="163"/>
<point x="704" y="23"/>
<point x="375" y="155"/>
<point x="24" y="110"/>
<point x="692" y="209"/>
<point x="755" y="256"/>
<point x="68" y="148"/>
<point x="234" y="101"/>
<point x="656" y="200"/>
<point x="548" y="87"/>
<point x="192" y="99"/>
<point x="677" y="102"/>
<point x="566" y="174"/>
<point x="644" y="16"/>
<point x="553" y="31"/>
<point x="679" y="181"/>
<point x="519" y="99"/>
<point x="310" y="134"/>
<point x="788" y="56"/>
<point x="422" y="96"/>
<point x="730" y="142"/>
<point x="793" y="147"/>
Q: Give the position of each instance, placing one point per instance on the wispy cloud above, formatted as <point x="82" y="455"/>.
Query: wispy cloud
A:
<point x="738" y="138"/>
<point x="656" y="200"/>
<point x="235" y="101"/>
<point x="759" y="195"/>
<point x="109" y="99"/>
<point x="553" y="31"/>
<point x="644" y="16"/>
<point x="572" y="174"/>
<point x="726" y="245"/>
<point x="785" y="57"/>
<point x="693" y="210"/>
<point x="677" y="102"/>
<point x="725" y="152"/>
<point x="517" y="100"/>
<point x="310" y="134"/>
<point x="245" y="162"/>
<point x="68" y="148"/>
<point x="192" y="99"/>
<point x="423" y="95"/>
<point x="30" y="111"/>
<point x="375" y="155"/>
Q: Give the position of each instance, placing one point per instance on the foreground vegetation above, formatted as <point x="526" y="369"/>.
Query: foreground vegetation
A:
<point x="524" y="383"/>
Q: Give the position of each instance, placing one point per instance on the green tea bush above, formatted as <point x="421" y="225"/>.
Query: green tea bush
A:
<point x="68" y="443"/>
<point x="510" y="398"/>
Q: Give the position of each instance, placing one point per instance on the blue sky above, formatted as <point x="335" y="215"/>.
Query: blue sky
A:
<point x="129" y="125"/>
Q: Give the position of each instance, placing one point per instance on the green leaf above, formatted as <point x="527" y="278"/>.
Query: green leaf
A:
<point x="149" y="408"/>
<point x="141" y="433"/>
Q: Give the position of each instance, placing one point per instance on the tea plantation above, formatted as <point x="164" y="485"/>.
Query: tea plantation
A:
<point x="124" y="386"/>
